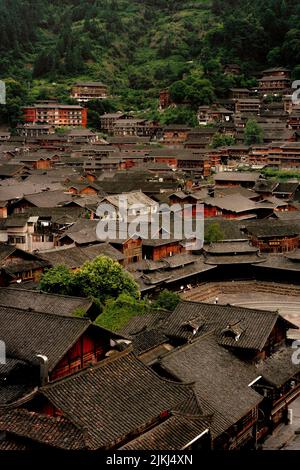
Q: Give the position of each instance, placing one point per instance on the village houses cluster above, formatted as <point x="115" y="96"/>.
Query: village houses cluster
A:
<point x="207" y="375"/>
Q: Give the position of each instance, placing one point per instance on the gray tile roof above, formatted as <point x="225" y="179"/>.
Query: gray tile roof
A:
<point x="237" y="176"/>
<point x="221" y="380"/>
<point x="75" y="256"/>
<point x="142" y="322"/>
<point x="56" y="432"/>
<point x="280" y="262"/>
<point x="120" y="395"/>
<point x="274" y="228"/>
<point x="28" y="333"/>
<point x="42" y="302"/>
<point x="16" y="191"/>
<point x="228" y="247"/>
<point x="193" y="319"/>
<point x="82" y="232"/>
<point x="173" y="434"/>
<point x="279" y="368"/>
<point x="49" y="198"/>
<point x="232" y="203"/>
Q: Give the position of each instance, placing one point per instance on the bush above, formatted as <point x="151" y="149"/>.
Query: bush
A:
<point x="117" y="312"/>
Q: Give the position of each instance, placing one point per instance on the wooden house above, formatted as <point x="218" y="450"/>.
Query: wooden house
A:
<point x="274" y="236"/>
<point x="175" y="135"/>
<point x="86" y="91"/>
<point x="18" y="266"/>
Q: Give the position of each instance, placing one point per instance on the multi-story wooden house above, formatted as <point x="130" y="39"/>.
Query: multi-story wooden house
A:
<point x="274" y="236"/>
<point x="87" y="91"/>
<point x="275" y="81"/>
<point x="175" y="135"/>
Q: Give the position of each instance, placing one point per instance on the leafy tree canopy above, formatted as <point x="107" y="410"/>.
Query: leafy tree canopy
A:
<point x="213" y="233"/>
<point x="222" y="140"/>
<point x="117" y="312"/>
<point x="101" y="278"/>
<point x="253" y="133"/>
<point x="167" y="300"/>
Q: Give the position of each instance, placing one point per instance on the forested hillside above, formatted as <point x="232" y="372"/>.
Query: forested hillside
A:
<point x="140" y="46"/>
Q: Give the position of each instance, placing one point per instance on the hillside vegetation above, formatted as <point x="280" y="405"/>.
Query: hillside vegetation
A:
<point x="140" y="46"/>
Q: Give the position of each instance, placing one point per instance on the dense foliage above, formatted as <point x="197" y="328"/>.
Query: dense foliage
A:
<point x="213" y="233"/>
<point x="101" y="278"/>
<point x="117" y="312"/>
<point x="167" y="300"/>
<point x="140" y="46"/>
<point x="222" y="140"/>
<point x="253" y="133"/>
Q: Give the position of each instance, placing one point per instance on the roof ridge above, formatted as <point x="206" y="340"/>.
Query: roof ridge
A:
<point x="236" y="307"/>
<point x="189" y="344"/>
<point x="49" y="293"/>
<point x="88" y="367"/>
<point x="48" y="314"/>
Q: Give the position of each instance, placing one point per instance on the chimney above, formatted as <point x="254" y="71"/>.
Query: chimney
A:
<point x="44" y="369"/>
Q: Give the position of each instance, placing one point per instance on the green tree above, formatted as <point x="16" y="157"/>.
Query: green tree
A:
<point x="213" y="233"/>
<point x="117" y="312"/>
<point x="179" y="115"/>
<point x="58" y="280"/>
<point x="96" y="108"/>
<point x="178" y="91"/>
<point x="104" y="278"/>
<point x="16" y="96"/>
<point x="221" y="140"/>
<point x="167" y="300"/>
<point x="101" y="278"/>
<point x="253" y="133"/>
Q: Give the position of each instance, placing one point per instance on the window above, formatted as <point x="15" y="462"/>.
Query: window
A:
<point x="16" y="240"/>
<point x="27" y="275"/>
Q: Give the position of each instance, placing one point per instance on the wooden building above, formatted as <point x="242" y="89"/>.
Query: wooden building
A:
<point x="275" y="81"/>
<point x="135" y="127"/>
<point x="200" y="138"/>
<point x="18" y="266"/>
<point x="109" y="120"/>
<point x="274" y="236"/>
<point x="156" y="249"/>
<point x="34" y="130"/>
<point x="235" y="178"/>
<point x="232" y="69"/>
<point x="78" y="343"/>
<point x="248" y="106"/>
<point x="171" y="420"/>
<point x="231" y="207"/>
<point x="239" y="93"/>
<point x="231" y="253"/>
<point x="164" y="99"/>
<point x="294" y="120"/>
<point x="213" y="114"/>
<point x="56" y="114"/>
<point x="175" y="135"/>
<point x="87" y="91"/>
